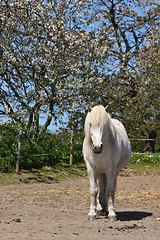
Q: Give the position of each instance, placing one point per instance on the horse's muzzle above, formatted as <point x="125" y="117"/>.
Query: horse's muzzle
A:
<point x="97" y="149"/>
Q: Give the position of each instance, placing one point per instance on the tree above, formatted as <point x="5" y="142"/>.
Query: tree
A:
<point x="24" y="63"/>
<point x="59" y="55"/>
<point x="40" y="54"/>
<point x="148" y="65"/>
<point x="129" y="33"/>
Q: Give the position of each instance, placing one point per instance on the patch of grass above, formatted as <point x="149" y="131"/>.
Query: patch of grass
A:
<point x="6" y="178"/>
<point x="45" y="175"/>
<point x="140" y="169"/>
<point x="139" y="164"/>
<point x="145" y="163"/>
<point x="146" y="158"/>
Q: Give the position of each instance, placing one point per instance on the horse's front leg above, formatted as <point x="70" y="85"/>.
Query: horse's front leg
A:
<point x="93" y="191"/>
<point x="102" y="201"/>
<point x="110" y="192"/>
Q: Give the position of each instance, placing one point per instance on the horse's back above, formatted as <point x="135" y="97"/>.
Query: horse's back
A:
<point x="119" y="126"/>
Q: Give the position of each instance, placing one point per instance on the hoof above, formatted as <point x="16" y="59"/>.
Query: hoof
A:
<point x="113" y="218"/>
<point x="91" y="218"/>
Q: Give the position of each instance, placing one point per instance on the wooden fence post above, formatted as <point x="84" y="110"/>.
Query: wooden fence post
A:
<point x="71" y="143"/>
<point x="19" y="152"/>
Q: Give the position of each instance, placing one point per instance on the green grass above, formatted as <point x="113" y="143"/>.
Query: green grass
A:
<point x="139" y="164"/>
<point x="143" y="164"/>
<point x="146" y="158"/>
<point x="45" y="175"/>
<point x="140" y="169"/>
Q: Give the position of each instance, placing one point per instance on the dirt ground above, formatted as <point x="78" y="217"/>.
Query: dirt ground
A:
<point x="44" y="211"/>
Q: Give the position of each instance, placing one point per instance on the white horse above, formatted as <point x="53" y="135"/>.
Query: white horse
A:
<point x="106" y="149"/>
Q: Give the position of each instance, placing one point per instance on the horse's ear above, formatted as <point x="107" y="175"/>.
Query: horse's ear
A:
<point x="107" y="108"/>
<point x="89" y="108"/>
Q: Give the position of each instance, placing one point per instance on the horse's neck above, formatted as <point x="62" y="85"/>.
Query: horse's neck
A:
<point x="111" y="130"/>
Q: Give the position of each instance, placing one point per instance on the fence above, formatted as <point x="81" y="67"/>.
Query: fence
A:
<point x="50" y="151"/>
<point x="139" y="139"/>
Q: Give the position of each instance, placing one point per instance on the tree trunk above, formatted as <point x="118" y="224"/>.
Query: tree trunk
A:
<point x="36" y="121"/>
<point x="149" y="145"/>
<point x="49" y="118"/>
<point x="47" y="123"/>
<point x="36" y="110"/>
<point x="153" y="135"/>
<point x="30" y="121"/>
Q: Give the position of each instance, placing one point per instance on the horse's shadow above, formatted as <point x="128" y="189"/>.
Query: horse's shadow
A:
<point x="132" y="215"/>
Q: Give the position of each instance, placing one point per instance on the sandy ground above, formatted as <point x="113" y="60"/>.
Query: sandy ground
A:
<point x="37" y="211"/>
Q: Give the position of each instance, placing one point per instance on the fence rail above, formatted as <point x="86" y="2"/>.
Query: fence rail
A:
<point x="48" y="154"/>
<point x="145" y="153"/>
<point x="139" y="139"/>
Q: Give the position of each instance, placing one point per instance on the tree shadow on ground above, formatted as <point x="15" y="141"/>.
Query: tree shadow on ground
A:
<point x="40" y="177"/>
<point x="132" y="215"/>
<point x="35" y="176"/>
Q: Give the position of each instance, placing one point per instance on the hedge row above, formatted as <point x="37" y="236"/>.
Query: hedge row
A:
<point x="37" y="151"/>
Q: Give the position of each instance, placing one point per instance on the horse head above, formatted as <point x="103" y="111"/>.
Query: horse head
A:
<point x="97" y="127"/>
<point x="97" y="138"/>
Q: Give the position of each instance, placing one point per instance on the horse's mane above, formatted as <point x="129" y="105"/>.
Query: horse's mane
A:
<point x="97" y="117"/>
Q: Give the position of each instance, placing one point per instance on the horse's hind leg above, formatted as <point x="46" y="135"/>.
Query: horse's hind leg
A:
<point x="101" y="201"/>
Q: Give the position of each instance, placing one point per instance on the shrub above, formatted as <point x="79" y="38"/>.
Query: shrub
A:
<point x="36" y="151"/>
